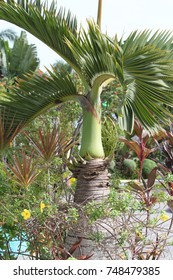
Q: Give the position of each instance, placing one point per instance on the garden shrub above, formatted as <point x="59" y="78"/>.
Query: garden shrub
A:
<point x="130" y="166"/>
<point x="147" y="166"/>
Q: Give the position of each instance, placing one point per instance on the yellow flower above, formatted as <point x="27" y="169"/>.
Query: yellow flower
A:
<point x="72" y="181"/>
<point x="138" y="233"/>
<point x="164" y="217"/>
<point x="42" y="206"/>
<point x="26" y="214"/>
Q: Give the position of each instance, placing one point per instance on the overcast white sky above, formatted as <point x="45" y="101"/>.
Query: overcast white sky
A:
<point x="118" y="17"/>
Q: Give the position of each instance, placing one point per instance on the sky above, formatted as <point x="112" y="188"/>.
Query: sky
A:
<point x="118" y="17"/>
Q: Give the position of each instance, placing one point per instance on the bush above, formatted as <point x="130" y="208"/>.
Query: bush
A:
<point x="130" y="166"/>
<point x="147" y="166"/>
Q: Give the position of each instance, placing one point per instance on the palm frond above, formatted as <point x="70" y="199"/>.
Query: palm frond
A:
<point x="139" y="40"/>
<point x="50" y="26"/>
<point x="8" y="129"/>
<point x="34" y="96"/>
<point x="148" y="75"/>
<point x="95" y="52"/>
<point x="18" y="59"/>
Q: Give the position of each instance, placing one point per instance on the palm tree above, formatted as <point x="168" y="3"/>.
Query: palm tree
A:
<point x="61" y="66"/>
<point x="141" y="66"/>
<point x="14" y="62"/>
<point x="5" y="34"/>
<point x="18" y="59"/>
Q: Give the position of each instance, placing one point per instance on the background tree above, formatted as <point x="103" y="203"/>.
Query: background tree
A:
<point x="5" y="34"/>
<point x="18" y="59"/>
<point x="15" y="60"/>
<point x="141" y="65"/>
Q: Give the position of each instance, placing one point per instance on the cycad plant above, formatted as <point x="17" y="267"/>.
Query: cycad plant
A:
<point x="141" y="65"/>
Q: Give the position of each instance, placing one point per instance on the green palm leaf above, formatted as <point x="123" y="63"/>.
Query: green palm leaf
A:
<point x="95" y="53"/>
<point x="35" y="96"/>
<point x="48" y="25"/>
<point x="38" y="93"/>
<point x="148" y="75"/>
<point x="142" y="65"/>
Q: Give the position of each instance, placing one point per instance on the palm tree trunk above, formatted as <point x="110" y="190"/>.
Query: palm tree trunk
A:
<point x="91" y="142"/>
<point x="92" y="185"/>
<point x="93" y="182"/>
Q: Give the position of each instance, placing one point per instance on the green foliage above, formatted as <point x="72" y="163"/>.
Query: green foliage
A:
<point x="39" y="210"/>
<point x="18" y="59"/>
<point x="140" y="67"/>
<point x="147" y="166"/>
<point x="46" y="196"/>
<point x="109" y="136"/>
<point x="116" y="204"/>
<point x="130" y="164"/>
<point x="122" y="202"/>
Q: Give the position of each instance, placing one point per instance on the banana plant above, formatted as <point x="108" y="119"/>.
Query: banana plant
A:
<point x="141" y="65"/>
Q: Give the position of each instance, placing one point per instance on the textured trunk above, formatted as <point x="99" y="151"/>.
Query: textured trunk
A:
<point x="92" y="185"/>
<point x="93" y="182"/>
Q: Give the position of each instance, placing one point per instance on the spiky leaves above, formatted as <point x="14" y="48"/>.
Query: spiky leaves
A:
<point x="22" y="169"/>
<point x="33" y="98"/>
<point x="23" y="57"/>
<point x="147" y="79"/>
<point x="50" y="143"/>
<point x="47" y="24"/>
<point x="142" y="65"/>
<point x="7" y="34"/>
<point x="8" y="129"/>
<point x="19" y="59"/>
<point x="96" y="53"/>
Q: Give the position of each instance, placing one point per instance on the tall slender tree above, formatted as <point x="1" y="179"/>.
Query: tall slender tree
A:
<point x="141" y="65"/>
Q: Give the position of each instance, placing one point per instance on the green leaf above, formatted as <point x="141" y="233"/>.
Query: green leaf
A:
<point x="33" y="96"/>
<point x="50" y="26"/>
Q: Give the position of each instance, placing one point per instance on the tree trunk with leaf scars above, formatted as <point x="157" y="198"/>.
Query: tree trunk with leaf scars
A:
<point x="92" y="185"/>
